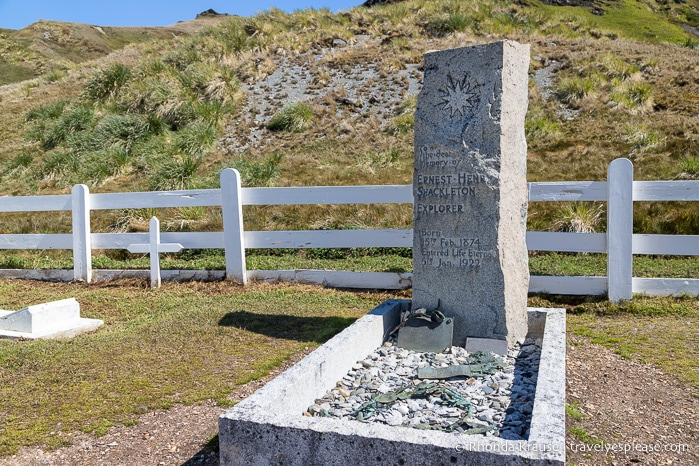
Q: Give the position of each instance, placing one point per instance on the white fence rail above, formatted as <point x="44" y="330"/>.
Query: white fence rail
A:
<point x="619" y="242"/>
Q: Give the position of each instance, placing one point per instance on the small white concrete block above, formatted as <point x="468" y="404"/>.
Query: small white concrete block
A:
<point x="48" y="320"/>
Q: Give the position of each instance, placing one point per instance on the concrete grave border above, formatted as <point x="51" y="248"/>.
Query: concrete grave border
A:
<point x="268" y="427"/>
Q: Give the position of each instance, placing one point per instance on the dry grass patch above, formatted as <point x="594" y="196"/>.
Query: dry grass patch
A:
<point x="183" y="343"/>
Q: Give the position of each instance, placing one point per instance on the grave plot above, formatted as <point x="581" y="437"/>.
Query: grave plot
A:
<point x="469" y="302"/>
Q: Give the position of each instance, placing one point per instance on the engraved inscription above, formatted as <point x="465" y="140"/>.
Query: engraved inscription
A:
<point x="446" y="191"/>
<point x="435" y="157"/>
<point x="439" y="251"/>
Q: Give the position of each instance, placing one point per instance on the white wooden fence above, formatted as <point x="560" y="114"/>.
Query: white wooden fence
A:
<point x="619" y="242"/>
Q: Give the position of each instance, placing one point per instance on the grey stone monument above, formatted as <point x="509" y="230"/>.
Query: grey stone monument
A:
<point x="469" y="252"/>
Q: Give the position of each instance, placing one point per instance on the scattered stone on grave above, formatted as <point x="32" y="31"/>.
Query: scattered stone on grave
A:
<point x="495" y="400"/>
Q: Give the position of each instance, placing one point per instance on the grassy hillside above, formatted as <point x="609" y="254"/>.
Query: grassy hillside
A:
<point x="316" y="98"/>
<point x="49" y="49"/>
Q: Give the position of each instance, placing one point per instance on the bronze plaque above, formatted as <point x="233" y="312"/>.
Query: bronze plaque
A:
<point x="426" y="337"/>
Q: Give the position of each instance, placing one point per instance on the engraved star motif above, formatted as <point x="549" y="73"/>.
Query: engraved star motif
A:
<point x="459" y="97"/>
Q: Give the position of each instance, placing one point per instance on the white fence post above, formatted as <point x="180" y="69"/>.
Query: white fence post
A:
<point x="82" y="244"/>
<point x="620" y="230"/>
<point x="232" y="206"/>
<point x="154" y="252"/>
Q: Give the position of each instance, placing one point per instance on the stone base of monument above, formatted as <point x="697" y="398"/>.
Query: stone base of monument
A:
<point x="269" y="428"/>
<point x="57" y="319"/>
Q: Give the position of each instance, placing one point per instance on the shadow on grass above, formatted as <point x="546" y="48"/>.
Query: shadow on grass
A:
<point x="307" y="329"/>
<point x="574" y="304"/>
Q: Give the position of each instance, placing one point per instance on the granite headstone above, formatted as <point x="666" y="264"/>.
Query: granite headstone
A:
<point x="470" y="210"/>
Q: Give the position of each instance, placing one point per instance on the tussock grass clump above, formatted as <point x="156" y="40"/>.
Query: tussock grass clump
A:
<point x="54" y="75"/>
<point x="121" y="131"/>
<point x="54" y="125"/>
<point x="17" y="164"/>
<point x="161" y="95"/>
<point x="637" y="97"/>
<point x="572" y="89"/>
<point x="258" y="172"/>
<point x="44" y="113"/>
<point x="98" y="166"/>
<point x="59" y="163"/>
<point x="615" y="67"/>
<point x="690" y="167"/>
<point x="384" y="160"/>
<point x="106" y="83"/>
<point x="404" y="121"/>
<point x="194" y="139"/>
<point x="174" y="173"/>
<point x="296" y="117"/>
<point x="449" y="23"/>
<point x="643" y="141"/>
<point x="579" y="217"/>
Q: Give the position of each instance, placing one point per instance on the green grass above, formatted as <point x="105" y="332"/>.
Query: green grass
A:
<point x="690" y="167"/>
<point x="634" y="96"/>
<point x="629" y="19"/>
<point x="177" y="344"/>
<point x="258" y="172"/>
<point x="11" y="73"/>
<point x="296" y="117"/>
<point x="573" y="410"/>
<point x="584" y="436"/>
<point x="596" y="265"/>
<point x="663" y="331"/>
<point x="359" y="259"/>
<point x="540" y="127"/>
<point x="572" y="89"/>
<point x="107" y="82"/>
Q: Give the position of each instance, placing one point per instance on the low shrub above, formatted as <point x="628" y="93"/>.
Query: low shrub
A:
<point x="296" y="117"/>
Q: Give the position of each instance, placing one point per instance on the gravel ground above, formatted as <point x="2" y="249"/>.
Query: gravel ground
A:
<point x="626" y="403"/>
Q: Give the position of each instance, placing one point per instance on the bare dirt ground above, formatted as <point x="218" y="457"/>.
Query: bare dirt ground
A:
<point x="627" y="405"/>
